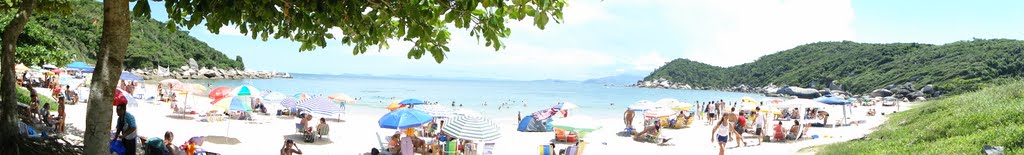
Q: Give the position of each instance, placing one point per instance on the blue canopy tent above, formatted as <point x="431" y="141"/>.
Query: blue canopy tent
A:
<point x="833" y="100"/>
<point x="130" y="76"/>
<point x="78" y="65"/>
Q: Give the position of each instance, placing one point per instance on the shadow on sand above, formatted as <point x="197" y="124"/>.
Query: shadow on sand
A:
<point x="222" y="140"/>
<point x="181" y="117"/>
<point x="317" y="140"/>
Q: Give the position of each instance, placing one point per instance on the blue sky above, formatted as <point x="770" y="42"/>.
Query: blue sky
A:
<point x="612" y="37"/>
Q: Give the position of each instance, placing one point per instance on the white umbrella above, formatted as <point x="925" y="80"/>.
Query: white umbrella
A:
<point x="666" y="102"/>
<point x="659" y="112"/>
<point x="641" y="105"/>
<point x="466" y="112"/>
<point x="436" y="110"/>
<point x="473" y="128"/>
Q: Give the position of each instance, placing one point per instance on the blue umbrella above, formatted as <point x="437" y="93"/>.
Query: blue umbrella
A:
<point x="404" y="118"/>
<point x="130" y="77"/>
<point x="832" y="100"/>
<point x="411" y="102"/>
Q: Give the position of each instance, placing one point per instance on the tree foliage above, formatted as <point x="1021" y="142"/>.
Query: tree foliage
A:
<point x="37" y="46"/>
<point x="863" y="67"/>
<point x="78" y="34"/>
<point x="364" y="24"/>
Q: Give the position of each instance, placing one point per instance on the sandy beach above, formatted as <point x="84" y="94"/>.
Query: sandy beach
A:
<point x="356" y="133"/>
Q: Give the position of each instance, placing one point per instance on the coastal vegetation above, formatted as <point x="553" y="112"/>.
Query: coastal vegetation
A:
<point x="959" y="124"/>
<point x="59" y="38"/>
<point x="953" y="68"/>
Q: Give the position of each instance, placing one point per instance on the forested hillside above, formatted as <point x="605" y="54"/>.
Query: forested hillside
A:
<point x="861" y="67"/>
<point x="152" y="43"/>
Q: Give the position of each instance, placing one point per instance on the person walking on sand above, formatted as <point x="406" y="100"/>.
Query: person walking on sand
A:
<point x="731" y="117"/>
<point x="759" y="124"/>
<point x="721" y="133"/>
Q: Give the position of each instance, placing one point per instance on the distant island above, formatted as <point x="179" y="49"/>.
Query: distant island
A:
<point x="908" y="70"/>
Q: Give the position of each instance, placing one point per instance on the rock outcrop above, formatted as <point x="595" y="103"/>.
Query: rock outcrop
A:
<point x="188" y="72"/>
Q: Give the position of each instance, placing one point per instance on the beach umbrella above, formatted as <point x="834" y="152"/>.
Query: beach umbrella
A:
<point x="131" y="77"/>
<point x="57" y="71"/>
<point x="404" y="118"/>
<point x="20" y="67"/>
<point x="566" y="106"/>
<point x="748" y="105"/>
<point x="170" y="82"/>
<point x="80" y="66"/>
<point x="771" y="100"/>
<point x="245" y="90"/>
<point x="341" y="97"/>
<point x="748" y="99"/>
<point x="49" y="66"/>
<point x="659" y="112"/>
<point x="832" y="100"/>
<point x="231" y="103"/>
<point x="411" y="102"/>
<point x="123" y="97"/>
<point x="436" y="110"/>
<point x="580" y="124"/>
<point x="274" y="96"/>
<point x="289" y="103"/>
<point x="641" y="105"/>
<point x="319" y="105"/>
<point x="190" y="88"/>
<point x="394" y="106"/>
<point x="797" y="103"/>
<point x="301" y="96"/>
<point x="465" y="112"/>
<point x="681" y="106"/>
<point x="474" y="128"/>
<point x="217" y="93"/>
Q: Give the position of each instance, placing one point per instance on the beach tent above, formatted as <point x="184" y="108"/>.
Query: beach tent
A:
<point x="78" y="65"/>
<point x="832" y="100"/>
<point x="130" y="76"/>
<point x="529" y="124"/>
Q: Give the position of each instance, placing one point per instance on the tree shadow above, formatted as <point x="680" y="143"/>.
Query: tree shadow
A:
<point x="316" y="140"/>
<point x="180" y="117"/>
<point x="222" y="140"/>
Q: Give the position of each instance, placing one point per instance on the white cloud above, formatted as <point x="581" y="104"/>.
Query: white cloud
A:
<point x="732" y="32"/>
<point x="649" y="61"/>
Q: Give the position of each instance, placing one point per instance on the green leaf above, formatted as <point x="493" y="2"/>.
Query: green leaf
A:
<point x="478" y="12"/>
<point x="141" y="9"/>
<point x="438" y="54"/>
<point x="541" y="20"/>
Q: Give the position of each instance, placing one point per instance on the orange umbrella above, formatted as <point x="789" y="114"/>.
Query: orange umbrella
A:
<point x="395" y="106"/>
<point x="219" y="92"/>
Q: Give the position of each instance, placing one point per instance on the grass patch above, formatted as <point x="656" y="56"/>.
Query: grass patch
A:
<point x="23" y="97"/>
<point x="959" y="124"/>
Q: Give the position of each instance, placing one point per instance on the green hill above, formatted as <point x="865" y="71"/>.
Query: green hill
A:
<point x="959" y="124"/>
<point x="861" y="67"/>
<point x="151" y="43"/>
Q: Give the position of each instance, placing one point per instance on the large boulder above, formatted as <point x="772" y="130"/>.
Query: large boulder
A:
<point x="192" y="63"/>
<point x="799" y="92"/>
<point x="929" y="90"/>
<point x="881" y="93"/>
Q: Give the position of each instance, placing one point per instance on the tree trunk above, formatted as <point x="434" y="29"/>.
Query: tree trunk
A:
<point x="109" y="61"/>
<point x="8" y="125"/>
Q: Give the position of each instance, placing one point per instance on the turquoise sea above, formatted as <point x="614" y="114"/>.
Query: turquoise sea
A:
<point x="595" y="100"/>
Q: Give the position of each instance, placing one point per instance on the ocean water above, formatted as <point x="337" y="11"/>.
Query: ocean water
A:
<point x="483" y="96"/>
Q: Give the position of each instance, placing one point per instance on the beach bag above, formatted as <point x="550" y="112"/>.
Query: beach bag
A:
<point x="155" y="146"/>
<point x="117" y="147"/>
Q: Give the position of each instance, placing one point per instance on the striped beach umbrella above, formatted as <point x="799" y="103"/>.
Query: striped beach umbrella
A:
<point x="219" y="92"/>
<point x="319" y="105"/>
<point x="342" y="98"/>
<point x="289" y="103"/>
<point x="473" y="128"/>
<point x="301" y="96"/>
<point x="245" y="90"/>
<point x="436" y="110"/>
<point x="231" y="103"/>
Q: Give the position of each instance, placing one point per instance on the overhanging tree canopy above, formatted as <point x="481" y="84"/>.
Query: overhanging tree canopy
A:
<point x="362" y="24"/>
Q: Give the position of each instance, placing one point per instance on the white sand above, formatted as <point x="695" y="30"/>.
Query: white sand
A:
<point x="356" y="133"/>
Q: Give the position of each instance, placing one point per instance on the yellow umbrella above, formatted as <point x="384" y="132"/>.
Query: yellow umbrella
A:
<point x="748" y="99"/>
<point x="394" y="106"/>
